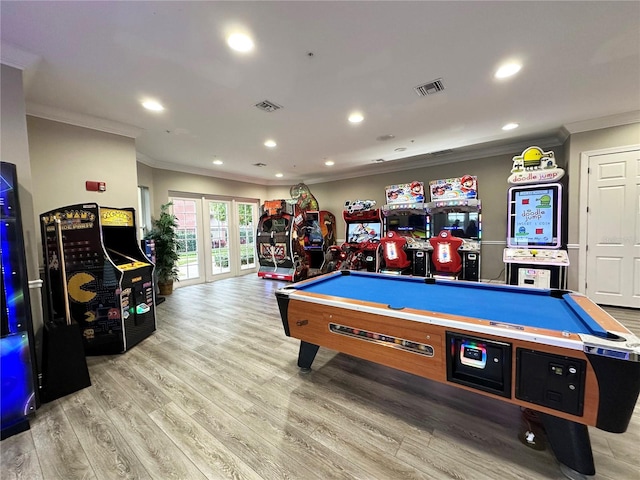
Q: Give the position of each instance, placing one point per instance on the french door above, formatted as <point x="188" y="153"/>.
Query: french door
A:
<point x="217" y="237"/>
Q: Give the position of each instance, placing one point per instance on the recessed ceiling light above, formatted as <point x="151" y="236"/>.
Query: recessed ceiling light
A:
<point x="508" y="69"/>
<point x="218" y="162"/>
<point x="356" y="117"/>
<point x="152" y="105"/>
<point x="240" y="42"/>
<point x="329" y="163"/>
<point x="270" y="143"/>
<point x="279" y="175"/>
<point x="511" y="126"/>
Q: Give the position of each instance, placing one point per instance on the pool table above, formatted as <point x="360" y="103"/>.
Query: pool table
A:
<point x="551" y="351"/>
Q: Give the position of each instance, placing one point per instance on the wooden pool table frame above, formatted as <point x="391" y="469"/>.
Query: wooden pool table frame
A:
<point x="306" y="316"/>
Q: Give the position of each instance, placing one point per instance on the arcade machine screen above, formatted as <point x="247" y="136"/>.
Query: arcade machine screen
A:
<point x="460" y="224"/>
<point x="276" y="225"/>
<point x="534" y="216"/>
<point x="363" y="232"/>
<point x="410" y="225"/>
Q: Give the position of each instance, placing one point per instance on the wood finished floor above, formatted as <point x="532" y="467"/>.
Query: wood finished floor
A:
<point x="216" y="393"/>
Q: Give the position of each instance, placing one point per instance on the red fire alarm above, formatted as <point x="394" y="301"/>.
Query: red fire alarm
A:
<point x="96" y="186"/>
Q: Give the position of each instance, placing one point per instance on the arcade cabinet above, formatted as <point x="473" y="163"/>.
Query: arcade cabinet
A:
<point x="455" y="209"/>
<point x="536" y="255"/>
<point x="279" y="256"/>
<point x="318" y="234"/>
<point x="108" y="277"/>
<point x="363" y="227"/>
<point x="292" y="242"/>
<point x="17" y="347"/>
<point x="406" y="215"/>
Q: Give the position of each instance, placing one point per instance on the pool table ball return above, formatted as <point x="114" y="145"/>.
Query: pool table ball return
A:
<point x="551" y="351"/>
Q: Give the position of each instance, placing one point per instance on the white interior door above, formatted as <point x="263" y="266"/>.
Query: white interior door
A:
<point x="613" y="229"/>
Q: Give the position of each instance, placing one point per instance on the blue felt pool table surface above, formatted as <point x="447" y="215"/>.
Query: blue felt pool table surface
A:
<point x="496" y="303"/>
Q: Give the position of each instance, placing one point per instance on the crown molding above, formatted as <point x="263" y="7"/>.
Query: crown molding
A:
<point x="427" y="160"/>
<point x="617" y="120"/>
<point x="174" y="167"/>
<point x="15" y="57"/>
<point x="83" y="120"/>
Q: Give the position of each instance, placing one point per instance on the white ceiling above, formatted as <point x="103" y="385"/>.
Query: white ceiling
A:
<point x="93" y="62"/>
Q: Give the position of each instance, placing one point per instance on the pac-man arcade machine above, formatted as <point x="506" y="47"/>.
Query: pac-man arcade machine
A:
<point x="109" y="279"/>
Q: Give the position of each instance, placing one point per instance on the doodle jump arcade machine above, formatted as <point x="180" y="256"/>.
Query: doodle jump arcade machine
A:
<point x="276" y="253"/>
<point x="108" y="277"/>
<point x="363" y="233"/>
<point x="17" y="347"/>
<point x="405" y="214"/>
<point x="455" y="207"/>
<point x="535" y="254"/>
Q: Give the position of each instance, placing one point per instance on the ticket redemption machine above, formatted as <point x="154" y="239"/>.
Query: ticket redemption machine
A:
<point x="108" y="277"/>
<point x="535" y="255"/>
<point x="405" y="214"/>
<point x="17" y="347"/>
<point x="363" y="230"/>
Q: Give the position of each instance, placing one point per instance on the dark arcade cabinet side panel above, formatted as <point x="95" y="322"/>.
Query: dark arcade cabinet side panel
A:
<point x="17" y="352"/>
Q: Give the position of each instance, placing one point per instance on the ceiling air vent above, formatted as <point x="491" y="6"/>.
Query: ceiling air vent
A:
<point x="268" y="106"/>
<point x="430" y="88"/>
<point x="441" y="152"/>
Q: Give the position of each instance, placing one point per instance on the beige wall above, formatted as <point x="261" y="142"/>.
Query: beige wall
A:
<point x="14" y="148"/>
<point x="64" y="157"/>
<point x="492" y="173"/>
<point x="577" y="144"/>
<point x="166" y="181"/>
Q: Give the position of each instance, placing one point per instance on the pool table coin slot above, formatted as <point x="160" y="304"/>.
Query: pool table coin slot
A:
<point x="551" y="380"/>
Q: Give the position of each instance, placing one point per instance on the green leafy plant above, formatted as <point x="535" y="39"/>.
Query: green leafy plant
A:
<point x="165" y="237"/>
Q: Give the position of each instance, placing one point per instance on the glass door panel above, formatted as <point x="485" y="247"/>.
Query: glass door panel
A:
<point x="186" y="211"/>
<point x="219" y="234"/>
<point x="247" y="213"/>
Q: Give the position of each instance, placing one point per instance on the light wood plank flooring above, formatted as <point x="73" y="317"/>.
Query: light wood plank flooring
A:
<point x="216" y="393"/>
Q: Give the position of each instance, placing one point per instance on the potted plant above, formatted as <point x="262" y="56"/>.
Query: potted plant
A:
<point x="165" y="237"/>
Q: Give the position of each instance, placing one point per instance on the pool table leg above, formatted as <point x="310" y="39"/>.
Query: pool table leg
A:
<point x="306" y="355"/>
<point x="571" y="444"/>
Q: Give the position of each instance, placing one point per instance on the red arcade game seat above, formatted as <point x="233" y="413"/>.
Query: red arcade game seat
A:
<point x="445" y="256"/>
<point x="395" y="258"/>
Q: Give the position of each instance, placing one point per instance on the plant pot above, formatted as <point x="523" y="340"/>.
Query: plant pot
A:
<point x="165" y="288"/>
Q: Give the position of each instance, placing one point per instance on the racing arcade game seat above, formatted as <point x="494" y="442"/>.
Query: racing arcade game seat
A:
<point x="445" y="257"/>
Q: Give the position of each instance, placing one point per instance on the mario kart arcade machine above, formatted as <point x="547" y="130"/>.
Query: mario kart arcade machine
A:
<point x="294" y="236"/>
<point x="361" y="249"/>
<point x="405" y="215"/>
<point x="455" y="208"/>
<point x="108" y="278"/>
<point x="535" y="256"/>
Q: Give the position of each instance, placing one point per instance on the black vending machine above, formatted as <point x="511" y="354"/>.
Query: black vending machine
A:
<point x="109" y="279"/>
<point x="17" y="346"/>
